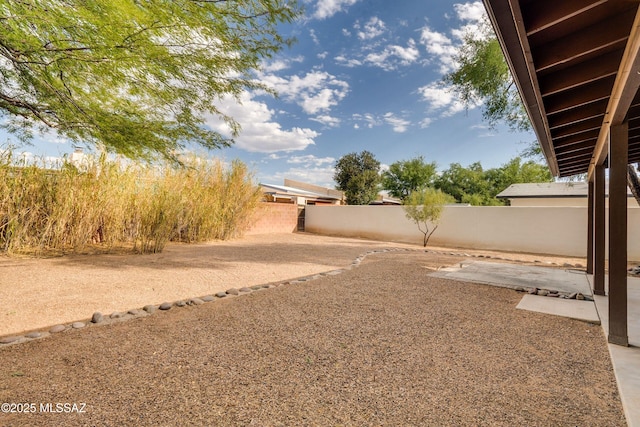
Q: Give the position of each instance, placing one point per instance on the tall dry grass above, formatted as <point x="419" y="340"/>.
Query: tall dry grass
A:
<point x="105" y="204"/>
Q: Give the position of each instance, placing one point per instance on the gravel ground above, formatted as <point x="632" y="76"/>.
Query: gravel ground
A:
<point x="381" y="344"/>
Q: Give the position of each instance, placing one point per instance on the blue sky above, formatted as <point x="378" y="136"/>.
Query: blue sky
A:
<point x="363" y="75"/>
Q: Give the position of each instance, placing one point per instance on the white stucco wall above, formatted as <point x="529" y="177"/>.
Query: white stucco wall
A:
<point x="543" y="230"/>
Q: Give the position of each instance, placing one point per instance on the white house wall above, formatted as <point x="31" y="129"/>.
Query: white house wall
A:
<point x="543" y="230"/>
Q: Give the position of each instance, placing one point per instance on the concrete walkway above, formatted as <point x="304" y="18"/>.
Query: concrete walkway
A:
<point x="625" y="360"/>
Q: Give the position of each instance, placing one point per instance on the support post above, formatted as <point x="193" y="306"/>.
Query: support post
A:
<point x="590" y="227"/>
<point x="599" y="228"/>
<point x="618" y="156"/>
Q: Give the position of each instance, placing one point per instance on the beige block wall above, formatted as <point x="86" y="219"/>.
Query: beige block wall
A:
<point x="543" y="230"/>
<point x="274" y="218"/>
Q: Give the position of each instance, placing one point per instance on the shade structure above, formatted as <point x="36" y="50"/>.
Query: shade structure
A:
<point x="576" y="64"/>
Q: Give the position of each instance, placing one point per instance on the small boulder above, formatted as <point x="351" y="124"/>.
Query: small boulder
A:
<point x="8" y="340"/>
<point x="232" y="291"/>
<point x="57" y="328"/>
<point x="33" y="335"/>
<point x="78" y="325"/>
<point x="150" y="308"/>
<point x="195" y="301"/>
<point x="180" y="303"/>
<point x="165" y="306"/>
<point x="208" y="298"/>
<point x="97" y="317"/>
<point x="221" y="294"/>
<point x="116" y="315"/>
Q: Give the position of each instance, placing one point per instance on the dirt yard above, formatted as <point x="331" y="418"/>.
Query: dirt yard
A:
<point x="383" y="343"/>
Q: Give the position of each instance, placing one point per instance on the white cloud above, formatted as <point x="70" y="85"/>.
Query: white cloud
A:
<point x="470" y="11"/>
<point x="373" y="28"/>
<point x="281" y="64"/>
<point x="440" y="98"/>
<point x="307" y="168"/>
<point x="327" y="120"/>
<point x="424" y="123"/>
<point x="260" y="133"/>
<point x="315" y="92"/>
<point x="445" y="47"/>
<point x="440" y="46"/>
<point x="369" y="120"/>
<point x="399" y="125"/>
<point x="328" y="8"/>
<point x="311" y="160"/>
<point x="389" y="58"/>
<point x="348" y="62"/>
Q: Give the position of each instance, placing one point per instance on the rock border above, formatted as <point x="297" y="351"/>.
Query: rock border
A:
<point x="98" y="319"/>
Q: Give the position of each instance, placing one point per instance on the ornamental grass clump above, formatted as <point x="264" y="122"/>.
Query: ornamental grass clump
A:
<point x="100" y="204"/>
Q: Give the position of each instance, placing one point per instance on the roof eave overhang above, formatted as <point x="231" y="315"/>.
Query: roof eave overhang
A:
<point x="506" y="18"/>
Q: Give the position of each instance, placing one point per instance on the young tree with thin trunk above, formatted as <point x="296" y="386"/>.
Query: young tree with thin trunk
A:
<point x="424" y="207"/>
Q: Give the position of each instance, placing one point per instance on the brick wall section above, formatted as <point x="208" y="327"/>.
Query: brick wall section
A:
<point x="274" y="218"/>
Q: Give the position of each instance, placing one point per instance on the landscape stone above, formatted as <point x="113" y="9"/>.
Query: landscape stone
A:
<point x="135" y="312"/>
<point x="256" y="287"/>
<point x="208" y="298"/>
<point x="221" y="294"/>
<point x="519" y="289"/>
<point x="33" y="335"/>
<point x="579" y="296"/>
<point x="245" y="289"/>
<point x="165" y="306"/>
<point x="573" y="295"/>
<point x="57" y="328"/>
<point x="232" y="291"/>
<point x="180" y="303"/>
<point x="78" y="325"/>
<point x="150" y="308"/>
<point x="543" y="292"/>
<point x="533" y="291"/>
<point x="553" y="295"/>
<point x="97" y="317"/>
<point x="196" y="301"/>
<point x="116" y="315"/>
<point x="9" y="340"/>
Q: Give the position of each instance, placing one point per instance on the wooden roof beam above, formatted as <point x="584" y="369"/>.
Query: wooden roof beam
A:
<point x="624" y="91"/>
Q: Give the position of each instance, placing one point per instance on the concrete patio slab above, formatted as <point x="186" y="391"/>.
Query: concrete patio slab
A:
<point x="573" y="309"/>
<point x="626" y="360"/>
<point x="512" y="276"/>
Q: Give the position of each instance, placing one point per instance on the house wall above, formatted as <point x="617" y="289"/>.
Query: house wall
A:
<point x="274" y="218"/>
<point x="543" y="230"/>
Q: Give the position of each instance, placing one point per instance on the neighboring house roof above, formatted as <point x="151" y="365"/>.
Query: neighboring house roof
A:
<point x="292" y="191"/>
<point x="546" y="190"/>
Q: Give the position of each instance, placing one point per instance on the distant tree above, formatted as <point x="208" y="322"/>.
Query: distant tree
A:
<point x="424" y="207"/>
<point x="406" y="176"/>
<point x="479" y="187"/>
<point x="135" y="77"/>
<point x="358" y="175"/>
<point x="516" y="171"/>
<point x="466" y="184"/>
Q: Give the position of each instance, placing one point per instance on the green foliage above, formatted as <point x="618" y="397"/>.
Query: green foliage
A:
<point x="102" y="204"/>
<point x="406" y="176"/>
<point x="483" y="77"/>
<point x="479" y="187"/>
<point x="424" y="207"/>
<point x="357" y="174"/>
<point x="136" y="78"/>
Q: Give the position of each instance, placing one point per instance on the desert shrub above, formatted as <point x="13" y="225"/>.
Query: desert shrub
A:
<point x="106" y="203"/>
